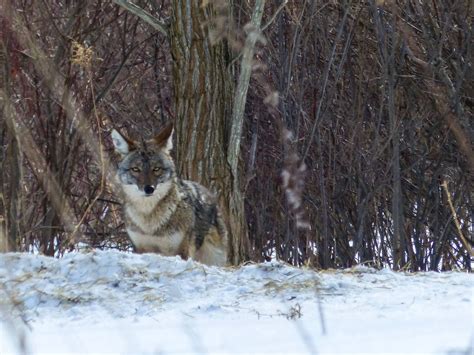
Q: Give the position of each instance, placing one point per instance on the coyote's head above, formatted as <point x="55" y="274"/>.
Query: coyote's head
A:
<point x="146" y="168"/>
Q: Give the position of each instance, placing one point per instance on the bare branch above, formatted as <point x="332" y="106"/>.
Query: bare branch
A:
<point x="469" y="249"/>
<point x="282" y="5"/>
<point x="144" y="15"/>
<point x="242" y="87"/>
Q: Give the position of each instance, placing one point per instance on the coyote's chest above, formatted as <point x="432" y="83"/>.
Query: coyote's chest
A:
<point x="166" y="244"/>
<point x="150" y="223"/>
<point x="150" y="226"/>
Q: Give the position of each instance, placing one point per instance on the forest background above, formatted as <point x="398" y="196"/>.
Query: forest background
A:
<point x="334" y="132"/>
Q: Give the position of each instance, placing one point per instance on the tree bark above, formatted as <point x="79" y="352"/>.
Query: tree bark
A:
<point x="11" y="163"/>
<point x="203" y="92"/>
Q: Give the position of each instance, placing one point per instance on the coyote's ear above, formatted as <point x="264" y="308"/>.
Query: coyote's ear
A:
<point x="164" y="139"/>
<point x="122" y="144"/>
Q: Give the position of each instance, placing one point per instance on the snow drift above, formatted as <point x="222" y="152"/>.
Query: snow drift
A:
<point x="108" y="301"/>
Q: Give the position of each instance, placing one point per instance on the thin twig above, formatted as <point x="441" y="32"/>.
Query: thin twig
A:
<point x="456" y="222"/>
<point x="101" y="159"/>
<point x="283" y="4"/>
<point x="332" y="58"/>
<point x="144" y="15"/>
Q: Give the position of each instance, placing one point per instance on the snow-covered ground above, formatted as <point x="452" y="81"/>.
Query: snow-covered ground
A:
<point x="126" y="303"/>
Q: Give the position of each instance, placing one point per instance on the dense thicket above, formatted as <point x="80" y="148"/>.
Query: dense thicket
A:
<point x="377" y="98"/>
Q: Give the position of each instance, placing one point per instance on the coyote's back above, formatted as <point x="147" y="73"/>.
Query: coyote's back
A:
<point x="164" y="213"/>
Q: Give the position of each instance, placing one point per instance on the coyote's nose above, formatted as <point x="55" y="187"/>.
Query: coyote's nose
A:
<point x="149" y="189"/>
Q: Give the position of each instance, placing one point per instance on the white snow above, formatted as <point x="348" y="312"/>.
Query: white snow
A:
<point x="107" y="301"/>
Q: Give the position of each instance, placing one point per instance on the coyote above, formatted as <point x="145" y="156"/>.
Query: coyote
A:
<point x="165" y="214"/>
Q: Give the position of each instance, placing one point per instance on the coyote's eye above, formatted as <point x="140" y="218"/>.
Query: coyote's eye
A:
<point x="135" y="169"/>
<point x="157" y="170"/>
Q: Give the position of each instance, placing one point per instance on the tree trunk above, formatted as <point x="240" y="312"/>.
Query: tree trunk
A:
<point x="10" y="163"/>
<point x="398" y="243"/>
<point x="203" y="91"/>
